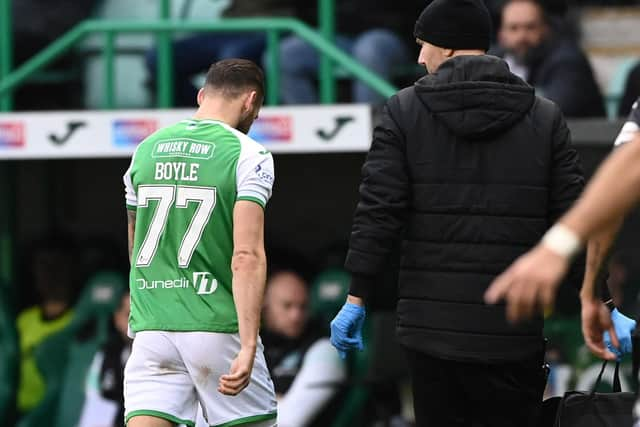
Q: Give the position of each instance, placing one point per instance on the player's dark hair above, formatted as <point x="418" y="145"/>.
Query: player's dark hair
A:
<point x="235" y="76"/>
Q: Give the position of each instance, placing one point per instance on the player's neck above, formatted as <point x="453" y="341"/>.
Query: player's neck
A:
<point x="218" y="111"/>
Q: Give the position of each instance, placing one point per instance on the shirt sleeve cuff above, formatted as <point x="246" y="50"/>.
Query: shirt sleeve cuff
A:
<point x="361" y="285"/>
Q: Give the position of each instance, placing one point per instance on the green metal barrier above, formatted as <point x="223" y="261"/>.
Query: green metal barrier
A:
<point x="272" y="26"/>
<point x="6" y="49"/>
<point x="326" y="21"/>
<point x="7" y="179"/>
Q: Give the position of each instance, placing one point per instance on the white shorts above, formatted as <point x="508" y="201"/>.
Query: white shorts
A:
<point x="170" y="373"/>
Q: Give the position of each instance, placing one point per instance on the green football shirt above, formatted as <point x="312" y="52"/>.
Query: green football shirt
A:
<point x="183" y="183"/>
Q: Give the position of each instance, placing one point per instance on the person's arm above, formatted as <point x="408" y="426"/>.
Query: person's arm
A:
<point x="377" y="224"/>
<point x="254" y="179"/>
<point x="384" y="196"/>
<point x="249" y="267"/>
<point x="598" y="250"/>
<point x="318" y="380"/>
<point x="596" y="316"/>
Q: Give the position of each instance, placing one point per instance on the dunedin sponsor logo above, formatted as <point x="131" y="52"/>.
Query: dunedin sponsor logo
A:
<point x="272" y="129"/>
<point x="203" y="283"/>
<point x="130" y="132"/>
<point x="12" y="135"/>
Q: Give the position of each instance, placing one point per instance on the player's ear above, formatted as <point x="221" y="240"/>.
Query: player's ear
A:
<point x="250" y="101"/>
<point x="200" y="96"/>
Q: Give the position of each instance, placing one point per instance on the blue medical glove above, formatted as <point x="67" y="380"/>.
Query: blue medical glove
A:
<point x="623" y="326"/>
<point x="346" y="329"/>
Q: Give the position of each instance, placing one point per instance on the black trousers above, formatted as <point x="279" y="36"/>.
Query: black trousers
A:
<point x="457" y="394"/>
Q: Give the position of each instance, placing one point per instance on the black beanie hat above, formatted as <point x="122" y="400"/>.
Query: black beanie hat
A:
<point x="455" y="24"/>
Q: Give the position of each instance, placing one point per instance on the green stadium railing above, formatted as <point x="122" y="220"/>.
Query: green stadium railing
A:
<point x="272" y="26"/>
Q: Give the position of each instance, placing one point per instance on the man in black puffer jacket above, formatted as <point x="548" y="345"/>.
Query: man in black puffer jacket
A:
<point x="469" y="168"/>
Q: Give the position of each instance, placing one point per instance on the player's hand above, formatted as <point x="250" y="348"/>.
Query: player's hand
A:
<point x="596" y="321"/>
<point x="530" y="284"/>
<point x="346" y="329"/>
<point x="240" y="373"/>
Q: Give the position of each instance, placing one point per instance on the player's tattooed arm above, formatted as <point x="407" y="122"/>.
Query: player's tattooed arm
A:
<point x="131" y="226"/>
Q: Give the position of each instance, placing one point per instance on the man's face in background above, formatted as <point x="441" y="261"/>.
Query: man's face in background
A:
<point x="523" y="28"/>
<point x="286" y="304"/>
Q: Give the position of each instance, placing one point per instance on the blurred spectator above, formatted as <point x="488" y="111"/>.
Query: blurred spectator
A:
<point x="371" y="37"/>
<point x="36" y="24"/>
<point x="193" y="55"/>
<point x="104" y="399"/>
<point x="53" y="275"/>
<point x="305" y="368"/>
<point x="631" y="92"/>
<point x="8" y="357"/>
<point x="539" y="54"/>
<point x="102" y="253"/>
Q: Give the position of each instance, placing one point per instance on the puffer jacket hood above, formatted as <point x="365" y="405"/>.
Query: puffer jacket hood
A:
<point x="475" y="97"/>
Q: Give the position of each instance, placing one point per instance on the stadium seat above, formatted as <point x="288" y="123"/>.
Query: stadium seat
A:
<point x="64" y="358"/>
<point x="132" y="92"/>
<point x="616" y="88"/>
<point x="328" y="292"/>
<point x="8" y="359"/>
<point x="129" y="61"/>
<point x="97" y="306"/>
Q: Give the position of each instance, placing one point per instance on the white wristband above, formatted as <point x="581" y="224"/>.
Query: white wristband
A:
<point x="562" y="240"/>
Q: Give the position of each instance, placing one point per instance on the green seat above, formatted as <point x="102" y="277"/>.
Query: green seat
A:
<point x="130" y="72"/>
<point x="64" y="358"/>
<point x="9" y="358"/>
<point x="616" y="88"/>
<point x="328" y="293"/>
<point x="51" y="359"/>
<point x="101" y="299"/>
<point x="129" y="64"/>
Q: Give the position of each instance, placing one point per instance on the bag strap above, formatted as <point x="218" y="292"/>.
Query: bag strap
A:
<point x="617" y="387"/>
